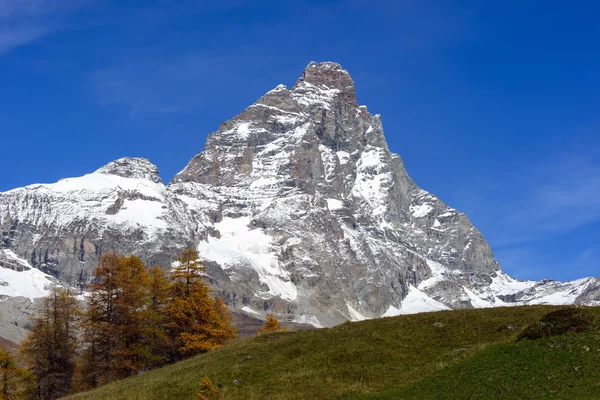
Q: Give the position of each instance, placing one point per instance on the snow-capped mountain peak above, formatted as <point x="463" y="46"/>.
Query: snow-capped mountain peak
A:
<point x="298" y="208"/>
<point x="132" y="168"/>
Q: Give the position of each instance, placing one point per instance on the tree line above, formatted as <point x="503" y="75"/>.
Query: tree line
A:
<point x="133" y="319"/>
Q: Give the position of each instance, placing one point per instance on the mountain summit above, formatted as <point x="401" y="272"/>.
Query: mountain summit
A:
<point x="297" y="207"/>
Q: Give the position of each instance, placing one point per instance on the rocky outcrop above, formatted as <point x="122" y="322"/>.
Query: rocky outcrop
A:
<point x="297" y="206"/>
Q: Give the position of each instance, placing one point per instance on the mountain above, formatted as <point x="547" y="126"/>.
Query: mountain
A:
<point x="297" y="207"/>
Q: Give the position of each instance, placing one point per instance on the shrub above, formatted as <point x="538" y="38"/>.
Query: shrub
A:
<point x="559" y="322"/>
<point x="207" y="389"/>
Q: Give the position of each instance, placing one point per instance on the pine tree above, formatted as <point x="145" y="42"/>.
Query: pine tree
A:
<point x="196" y="325"/>
<point x="271" y="325"/>
<point x="50" y="348"/>
<point x="13" y="380"/>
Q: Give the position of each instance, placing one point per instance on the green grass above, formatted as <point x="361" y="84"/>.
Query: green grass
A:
<point x="469" y="354"/>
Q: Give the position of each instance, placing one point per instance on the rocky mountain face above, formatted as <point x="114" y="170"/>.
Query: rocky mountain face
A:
<point x="297" y="207"/>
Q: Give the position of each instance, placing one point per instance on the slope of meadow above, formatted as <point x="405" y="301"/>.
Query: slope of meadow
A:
<point x="442" y="355"/>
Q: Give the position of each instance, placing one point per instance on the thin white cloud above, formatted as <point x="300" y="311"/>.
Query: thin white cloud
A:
<point x="561" y="195"/>
<point x="11" y="37"/>
<point x="25" y="21"/>
<point x="549" y="197"/>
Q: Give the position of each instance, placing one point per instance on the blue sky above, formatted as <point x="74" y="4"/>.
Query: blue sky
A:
<point x="493" y="105"/>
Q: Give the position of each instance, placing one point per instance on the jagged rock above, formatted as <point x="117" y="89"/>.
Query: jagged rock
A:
<point x="298" y="208"/>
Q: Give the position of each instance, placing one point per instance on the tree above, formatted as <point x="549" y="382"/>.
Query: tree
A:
<point x="100" y="342"/>
<point x="50" y="348"/>
<point x="13" y="380"/>
<point x="137" y="319"/>
<point x="207" y="389"/>
<point x="130" y="317"/>
<point x="196" y="325"/>
<point x="271" y="325"/>
<point x="116" y="321"/>
<point x="188" y="272"/>
<point x="159" y="292"/>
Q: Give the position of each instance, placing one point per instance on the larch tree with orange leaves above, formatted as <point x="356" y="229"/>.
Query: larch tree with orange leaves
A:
<point x="49" y="351"/>
<point x="14" y="381"/>
<point x="115" y="320"/>
<point x="197" y="323"/>
<point x="271" y="325"/>
<point x="157" y="316"/>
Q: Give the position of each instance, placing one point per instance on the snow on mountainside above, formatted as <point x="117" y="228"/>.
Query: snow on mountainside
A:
<point x="19" y="279"/>
<point x="61" y="228"/>
<point x="20" y="285"/>
<point x="105" y="198"/>
<point x="297" y="207"/>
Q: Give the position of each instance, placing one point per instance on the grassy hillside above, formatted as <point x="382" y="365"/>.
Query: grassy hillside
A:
<point x="444" y="355"/>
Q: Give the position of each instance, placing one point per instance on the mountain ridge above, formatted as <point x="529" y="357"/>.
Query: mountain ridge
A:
<point x="298" y="208"/>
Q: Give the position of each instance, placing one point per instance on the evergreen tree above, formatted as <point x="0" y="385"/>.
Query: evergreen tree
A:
<point x="13" y="380"/>
<point x="50" y="348"/>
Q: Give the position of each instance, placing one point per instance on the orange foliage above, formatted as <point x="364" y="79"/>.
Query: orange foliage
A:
<point x="197" y="323"/>
<point x="271" y="325"/>
<point x="138" y="319"/>
<point x="206" y="388"/>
